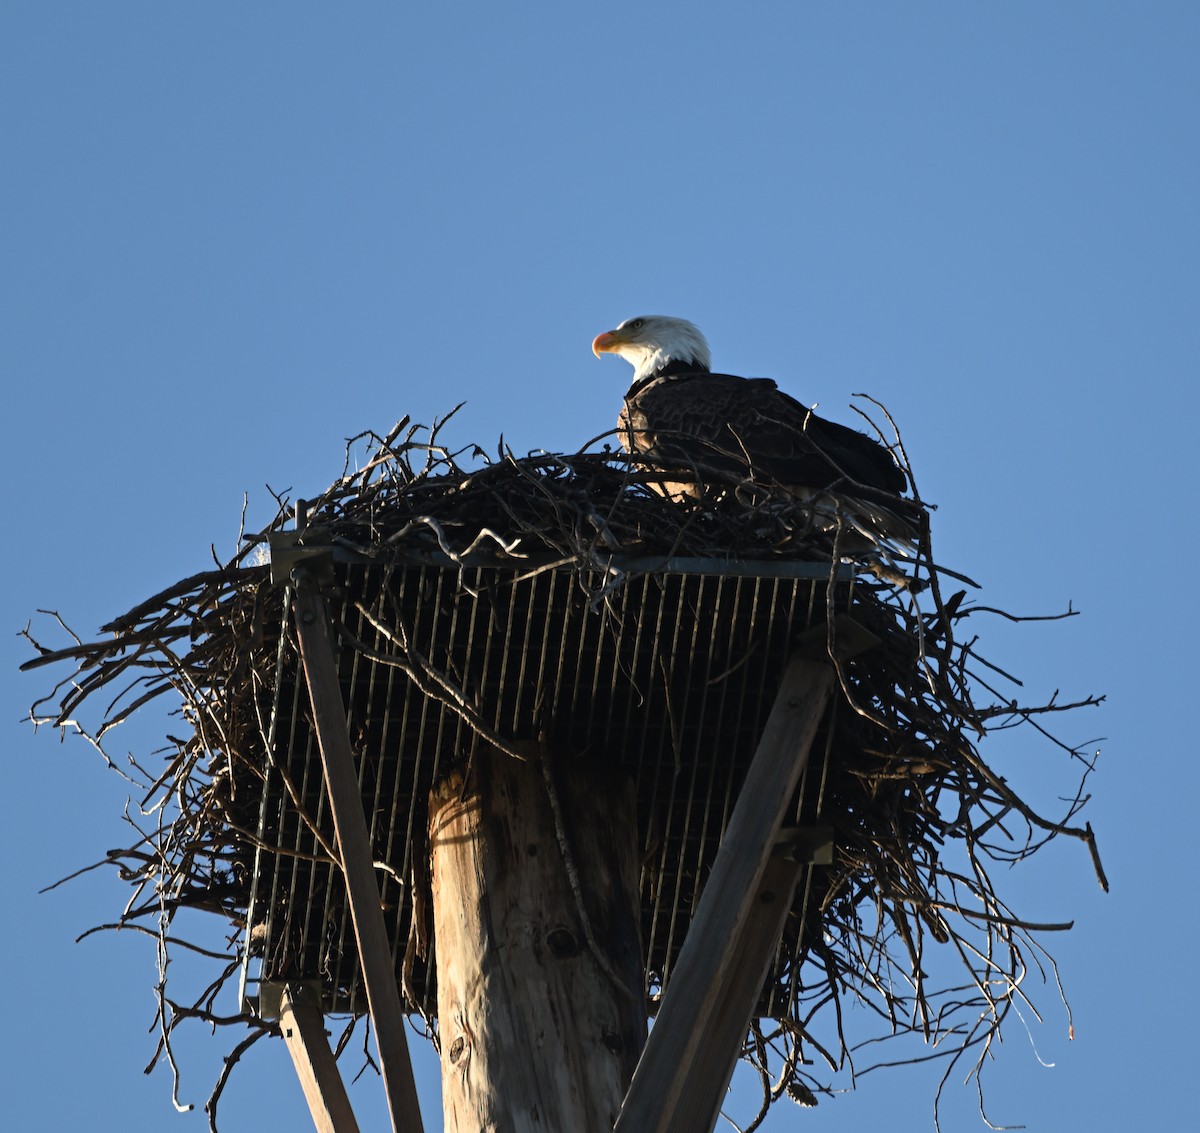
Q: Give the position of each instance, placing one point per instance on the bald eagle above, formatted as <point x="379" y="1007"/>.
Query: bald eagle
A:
<point x="728" y="429"/>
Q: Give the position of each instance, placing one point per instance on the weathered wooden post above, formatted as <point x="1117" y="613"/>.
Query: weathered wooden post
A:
<point x="302" y="1025"/>
<point x="539" y="963"/>
<point x="354" y="850"/>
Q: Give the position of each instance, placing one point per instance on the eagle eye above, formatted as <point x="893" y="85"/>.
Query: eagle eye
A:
<point x="636" y="324"/>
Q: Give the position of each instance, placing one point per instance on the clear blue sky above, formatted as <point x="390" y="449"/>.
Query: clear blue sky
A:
<point x="235" y="234"/>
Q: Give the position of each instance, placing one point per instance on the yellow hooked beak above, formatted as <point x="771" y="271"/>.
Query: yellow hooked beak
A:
<point x="607" y="343"/>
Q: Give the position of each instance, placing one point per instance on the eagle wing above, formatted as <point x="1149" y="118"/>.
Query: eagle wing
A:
<point x="727" y="424"/>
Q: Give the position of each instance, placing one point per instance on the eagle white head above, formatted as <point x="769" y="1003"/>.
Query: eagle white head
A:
<point x="651" y="342"/>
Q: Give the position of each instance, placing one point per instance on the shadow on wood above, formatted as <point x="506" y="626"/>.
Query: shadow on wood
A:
<point x="540" y="986"/>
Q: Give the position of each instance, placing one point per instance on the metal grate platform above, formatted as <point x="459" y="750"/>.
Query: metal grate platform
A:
<point x="670" y="674"/>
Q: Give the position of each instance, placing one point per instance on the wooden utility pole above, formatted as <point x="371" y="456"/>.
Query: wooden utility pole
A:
<point x="541" y="1008"/>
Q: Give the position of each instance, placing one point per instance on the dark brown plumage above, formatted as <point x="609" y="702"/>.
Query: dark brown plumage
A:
<point x="749" y="427"/>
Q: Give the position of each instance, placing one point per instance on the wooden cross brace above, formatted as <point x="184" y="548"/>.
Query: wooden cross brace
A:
<point x="689" y="1057"/>
<point x="354" y="848"/>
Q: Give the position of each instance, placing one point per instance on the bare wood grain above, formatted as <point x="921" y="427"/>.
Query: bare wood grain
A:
<point x="303" y="1029"/>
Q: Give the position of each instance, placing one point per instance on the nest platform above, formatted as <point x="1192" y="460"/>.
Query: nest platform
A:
<point x="560" y="598"/>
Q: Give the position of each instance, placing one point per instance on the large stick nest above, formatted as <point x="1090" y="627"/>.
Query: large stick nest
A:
<point x="920" y="815"/>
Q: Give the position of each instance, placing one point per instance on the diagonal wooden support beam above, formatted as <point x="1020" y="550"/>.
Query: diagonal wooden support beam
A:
<point x="354" y="846"/>
<point x="684" y="1070"/>
<point x="720" y="1040"/>
<point x="303" y="1028"/>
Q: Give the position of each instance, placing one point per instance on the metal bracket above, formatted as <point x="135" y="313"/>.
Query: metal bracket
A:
<point x="269" y="1001"/>
<point x="808" y="845"/>
<point x="290" y="549"/>
<point x="849" y="639"/>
